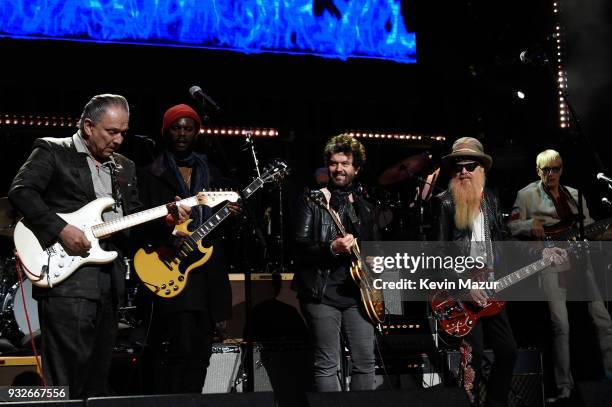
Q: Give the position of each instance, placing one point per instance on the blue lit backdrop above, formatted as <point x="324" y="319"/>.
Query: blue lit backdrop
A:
<point x="345" y="28"/>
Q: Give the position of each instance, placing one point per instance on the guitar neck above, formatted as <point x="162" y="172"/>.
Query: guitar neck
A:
<point x="522" y="274"/>
<point x="597" y="227"/>
<point x="211" y="223"/>
<point x="355" y="251"/>
<point x="135" y="219"/>
<point x="571" y="233"/>
<point x="202" y="231"/>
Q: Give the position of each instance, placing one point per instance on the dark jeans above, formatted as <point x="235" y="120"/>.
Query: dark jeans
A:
<point x="182" y="351"/>
<point x="325" y="323"/>
<point x="77" y="336"/>
<point x="497" y="332"/>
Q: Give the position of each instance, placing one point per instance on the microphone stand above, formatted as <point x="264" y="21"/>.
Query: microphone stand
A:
<point x="422" y="235"/>
<point x="248" y="361"/>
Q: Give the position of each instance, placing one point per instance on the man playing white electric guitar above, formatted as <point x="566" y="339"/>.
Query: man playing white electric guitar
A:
<point x="78" y="317"/>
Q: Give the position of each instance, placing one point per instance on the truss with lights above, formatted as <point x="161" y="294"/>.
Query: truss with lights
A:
<point x="561" y="79"/>
<point x="397" y="136"/>
<point x="31" y="120"/>
<point x="239" y="131"/>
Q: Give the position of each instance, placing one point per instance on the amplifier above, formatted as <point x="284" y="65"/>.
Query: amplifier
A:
<point x="19" y="370"/>
<point x="224" y="369"/>
<point x="407" y="371"/>
<point x="282" y="367"/>
<point x="407" y="334"/>
<point x="275" y="308"/>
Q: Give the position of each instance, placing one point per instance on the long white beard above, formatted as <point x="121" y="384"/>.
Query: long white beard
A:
<point x="466" y="196"/>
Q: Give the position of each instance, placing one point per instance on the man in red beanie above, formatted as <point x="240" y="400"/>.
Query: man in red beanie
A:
<point x="183" y="326"/>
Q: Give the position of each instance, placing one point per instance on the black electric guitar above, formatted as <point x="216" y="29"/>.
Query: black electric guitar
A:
<point x="165" y="270"/>
<point x="371" y="298"/>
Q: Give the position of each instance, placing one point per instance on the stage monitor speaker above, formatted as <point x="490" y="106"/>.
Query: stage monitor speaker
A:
<point x="284" y="368"/>
<point x="275" y="308"/>
<point x="438" y="396"/>
<point x="591" y="394"/>
<point x="19" y="370"/>
<point x="527" y="386"/>
<point x="223" y="370"/>
<point x="186" y="400"/>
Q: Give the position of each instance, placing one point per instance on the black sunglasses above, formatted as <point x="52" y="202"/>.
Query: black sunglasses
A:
<point x="548" y="170"/>
<point x="471" y="166"/>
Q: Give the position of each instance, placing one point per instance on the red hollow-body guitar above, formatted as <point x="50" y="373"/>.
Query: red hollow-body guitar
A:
<point x="458" y="318"/>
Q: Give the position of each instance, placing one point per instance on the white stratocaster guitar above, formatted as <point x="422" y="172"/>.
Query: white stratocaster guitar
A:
<point x="49" y="266"/>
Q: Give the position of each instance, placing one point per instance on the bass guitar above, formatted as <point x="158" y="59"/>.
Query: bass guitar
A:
<point x="458" y="318"/>
<point x="49" y="266"/>
<point x="164" y="270"/>
<point x="569" y="231"/>
<point x="371" y="298"/>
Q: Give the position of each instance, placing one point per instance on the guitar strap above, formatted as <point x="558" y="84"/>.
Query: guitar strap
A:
<point x="350" y="211"/>
<point x="487" y="233"/>
<point x="116" y="190"/>
<point x="352" y="214"/>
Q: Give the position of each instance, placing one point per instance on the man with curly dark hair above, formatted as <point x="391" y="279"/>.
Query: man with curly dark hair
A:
<point x="329" y="299"/>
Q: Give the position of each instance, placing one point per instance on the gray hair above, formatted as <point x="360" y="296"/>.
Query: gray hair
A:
<point x="97" y="105"/>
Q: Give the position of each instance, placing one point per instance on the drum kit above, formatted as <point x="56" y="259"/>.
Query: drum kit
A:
<point x="16" y="302"/>
<point x="402" y="197"/>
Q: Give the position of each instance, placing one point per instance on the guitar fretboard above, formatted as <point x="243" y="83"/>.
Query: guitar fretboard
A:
<point x="592" y="229"/>
<point x="203" y="230"/>
<point x="116" y="225"/>
<point x="521" y="274"/>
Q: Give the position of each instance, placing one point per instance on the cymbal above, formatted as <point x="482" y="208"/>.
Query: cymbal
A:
<point x="8" y="217"/>
<point x="404" y="169"/>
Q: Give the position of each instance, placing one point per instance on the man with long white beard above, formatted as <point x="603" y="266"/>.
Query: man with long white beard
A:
<point x="469" y="215"/>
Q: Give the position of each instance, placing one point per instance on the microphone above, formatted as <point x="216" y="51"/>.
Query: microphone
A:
<point x="145" y="138"/>
<point x="535" y="55"/>
<point x="198" y="94"/>
<point x="602" y="177"/>
<point x="606" y="202"/>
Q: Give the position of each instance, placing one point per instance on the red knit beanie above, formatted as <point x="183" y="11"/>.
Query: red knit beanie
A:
<point x="176" y="112"/>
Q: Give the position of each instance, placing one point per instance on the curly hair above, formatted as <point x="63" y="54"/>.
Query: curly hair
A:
<point x="346" y="144"/>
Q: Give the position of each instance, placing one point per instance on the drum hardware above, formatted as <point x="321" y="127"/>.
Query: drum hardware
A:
<point x="8" y="217"/>
<point x="404" y="169"/>
<point x="409" y="218"/>
<point x="13" y="322"/>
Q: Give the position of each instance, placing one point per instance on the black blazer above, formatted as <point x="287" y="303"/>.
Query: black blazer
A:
<point x="57" y="179"/>
<point x="314" y="259"/>
<point x="444" y="230"/>
<point x="208" y="286"/>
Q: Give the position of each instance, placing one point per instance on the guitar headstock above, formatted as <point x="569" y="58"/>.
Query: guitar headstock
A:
<point x="214" y="198"/>
<point x="317" y="197"/>
<point x="275" y="171"/>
